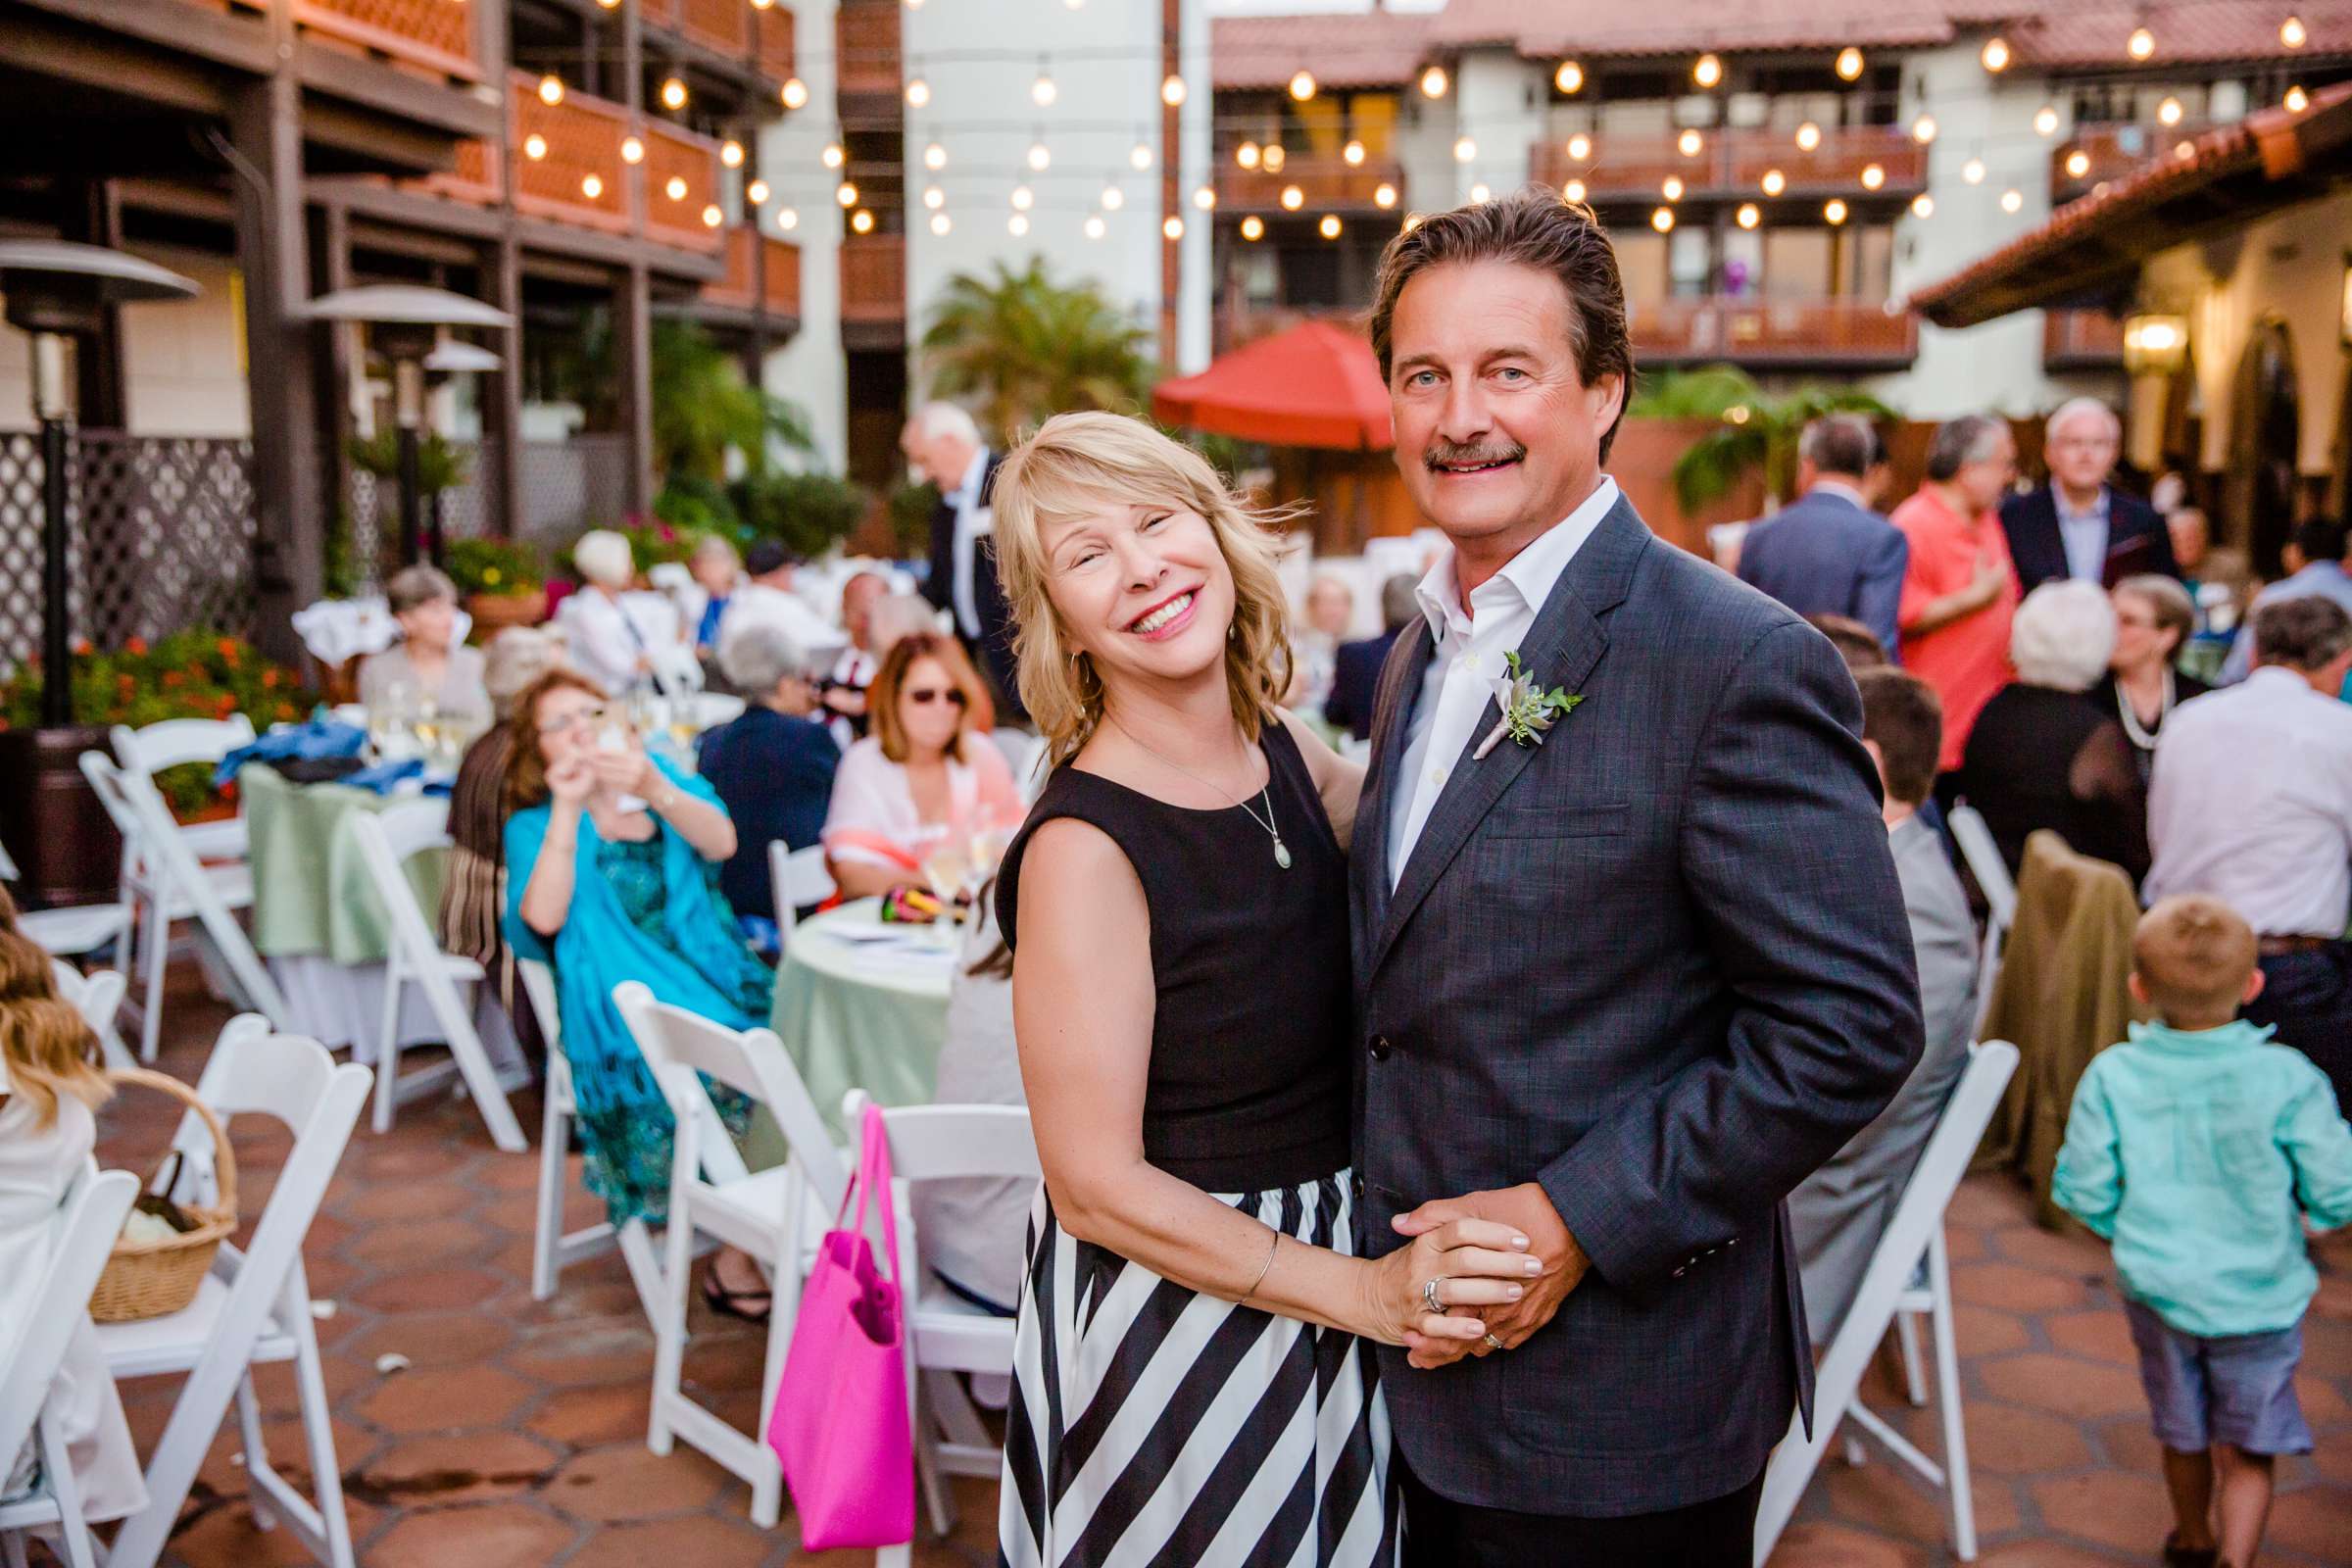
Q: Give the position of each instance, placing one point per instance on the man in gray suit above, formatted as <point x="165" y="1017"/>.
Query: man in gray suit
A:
<point x="1828" y="551"/>
<point x="1840" y="1211"/>
<point x="1630" y="952"/>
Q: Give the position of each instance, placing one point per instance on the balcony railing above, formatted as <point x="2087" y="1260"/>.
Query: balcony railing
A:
<point x="2109" y="151"/>
<point x="773" y="28"/>
<point x="681" y="187"/>
<point x="1829" y="332"/>
<point x="433" y="33"/>
<point x="749" y="253"/>
<point x="1324" y="184"/>
<point x="1736" y="162"/>
<point x="730" y="28"/>
<point x="865" y="43"/>
<point x="874" y="279"/>
<point x="2081" y="340"/>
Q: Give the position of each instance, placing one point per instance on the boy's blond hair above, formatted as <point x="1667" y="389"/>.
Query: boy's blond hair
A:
<point x="2193" y="953"/>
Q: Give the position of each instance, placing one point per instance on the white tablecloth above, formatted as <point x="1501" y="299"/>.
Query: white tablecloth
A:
<point x="337" y="629"/>
<point x="343" y="1004"/>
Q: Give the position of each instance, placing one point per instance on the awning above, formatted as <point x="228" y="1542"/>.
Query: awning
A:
<point x="1315" y="384"/>
<point x="2091" y="249"/>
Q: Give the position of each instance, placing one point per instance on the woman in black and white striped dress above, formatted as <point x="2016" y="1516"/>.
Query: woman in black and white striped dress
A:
<point x="1193" y="1379"/>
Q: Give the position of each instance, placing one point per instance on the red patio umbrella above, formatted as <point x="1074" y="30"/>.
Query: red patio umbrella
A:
<point x="1315" y="384"/>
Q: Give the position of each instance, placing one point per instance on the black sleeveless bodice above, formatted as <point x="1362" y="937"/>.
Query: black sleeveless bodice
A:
<point x="1248" y="1086"/>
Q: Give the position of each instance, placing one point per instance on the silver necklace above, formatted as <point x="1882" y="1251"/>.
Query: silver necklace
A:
<point x="2138" y="733"/>
<point x="1282" y="851"/>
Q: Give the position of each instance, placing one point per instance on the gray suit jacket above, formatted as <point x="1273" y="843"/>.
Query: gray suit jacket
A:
<point x="1658" y="964"/>
<point x="1840" y="1211"/>
<point x="1823" y="555"/>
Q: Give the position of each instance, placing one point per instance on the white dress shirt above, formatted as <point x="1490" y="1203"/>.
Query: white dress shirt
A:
<point x="605" y="638"/>
<point x="1458" y="687"/>
<point x="2252" y="803"/>
<point x="972" y="521"/>
<point x="2083" y="534"/>
<point x="758" y="604"/>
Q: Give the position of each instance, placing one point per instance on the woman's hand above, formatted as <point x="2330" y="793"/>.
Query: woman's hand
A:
<point x="626" y="771"/>
<point x="1476" y="1263"/>
<point x="570" y="780"/>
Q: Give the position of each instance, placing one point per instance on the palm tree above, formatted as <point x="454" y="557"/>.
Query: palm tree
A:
<point x="1029" y="348"/>
<point x="1755" y="429"/>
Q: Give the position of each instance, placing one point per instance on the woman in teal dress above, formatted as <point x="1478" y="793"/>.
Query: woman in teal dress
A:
<point x="613" y="862"/>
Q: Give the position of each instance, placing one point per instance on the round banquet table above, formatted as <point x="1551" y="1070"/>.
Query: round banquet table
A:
<point x="319" y="926"/>
<point x="861" y="1005"/>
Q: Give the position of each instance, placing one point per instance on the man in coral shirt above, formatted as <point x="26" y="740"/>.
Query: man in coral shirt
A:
<point x="1960" y="589"/>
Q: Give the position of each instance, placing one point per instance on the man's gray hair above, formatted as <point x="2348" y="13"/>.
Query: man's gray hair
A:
<point x="2076" y="408"/>
<point x="761" y="656"/>
<point x="1399" y="603"/>
<point x="935" y="419"/>
<point x="1961" y="441"/>
<point x="2307" y="632"/>
<point x="1845" y="444"/>
<point x="2063" y="636"/>
<point x="603" y="558"/>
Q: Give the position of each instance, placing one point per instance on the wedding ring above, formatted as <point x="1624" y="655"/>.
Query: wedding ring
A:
<point x="1429" y="1295"/>
<point x="1494" y="1343"/>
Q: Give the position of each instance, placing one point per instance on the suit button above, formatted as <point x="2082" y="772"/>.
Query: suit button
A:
<point x="1380" y="1047"/>
<point x="1680" y="1272"/>
<point x="1356" y="1184"/>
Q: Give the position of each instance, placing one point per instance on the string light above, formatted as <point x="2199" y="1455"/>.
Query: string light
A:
<point x="1139" y="157"/>
<point x="1302" y="85"/>
<point x="1995" y="54"/>
<point x="1353" y="155"/>
<point x="940" y="223"/>
<point x="1465" y="148"/>
<point x="1849" y="63"/>
<point x="551" y="90"/>
<point x="793" y="93"/>
<point x="1329" y="228"/>
<point x="1412" y="221"/>
<point x="2184" y="150"/>
<point x="591" y="186"/>
<point x="1247" y="155"/>
<point x="2012" y="200"/>
<point x="1434" y="82"/>
<point x="1274" y="157"/>
<point x="1580" y="147"/>
<point x="730" y="153"/>
<point x="1569" y="79"/>
<point x="788" y="219"/>
<point x="632" y="150"/>
<point x="1672" y="189"/>
<point x="1113" y="198"/>
<point x="1171" y="91"/>
<point x="1707" y="70"/>
<point x="862" y="222"/>
<point x="1040" y="157"/>
<point x="935" y="198"/>
<point x="2077" y="164"/>
<point x="1383" y="196"/>
<point x="1834" y="211"/>
<point x="1973" y="170"/>
<point x="712" y="217"/>
<point x="1254" y="228"/>
<point x="1023" y="198"/>
<point x="846" y="194"/>
<point x="1573" y="191"/>
<point x="1206" y="198"/>
<point x="676" y="188"/>
<point x="1042" y="92"/>
<point x="935" y="158"/>
<point x="1923" y="205"/>
<point x="756" y="193"/>
<point x="610" y="5"/>
<point x="1873" y="176"/>
<point x="1293" y="197"/>
<point x="1096" y="229"/>
<point x="1923" y="130"/>
<point x="2293" y="35"/>
<point x="1808" y="136"/>
<point x="2168" y="112"/>
<point x="1016" y="225"/>
<point x="1690" y="143"/>
<point x="1774" y="182"/>
<point x="2142" y="44"/>
<point x="1173" y="229"/>
<point x="1748" y="216"/>
<point x="2045" y="120"/>
<point x="1480" y="195"/>
<point x="1662" y="220"/>
<point x="918" y="93"/>
<point x="534" y="147"/>
<point x="673" y="94"/>
<point x="2297" y="100"/>
<point x="832" y="155"/>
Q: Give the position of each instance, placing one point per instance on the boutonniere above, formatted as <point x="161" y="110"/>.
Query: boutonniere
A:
<point x="1528" y="711"/>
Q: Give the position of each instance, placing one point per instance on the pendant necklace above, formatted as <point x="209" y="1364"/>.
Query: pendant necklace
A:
<point x="1282" y="851"/>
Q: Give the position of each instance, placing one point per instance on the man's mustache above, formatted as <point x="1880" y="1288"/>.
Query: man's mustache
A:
<point x="1446" y="454"/>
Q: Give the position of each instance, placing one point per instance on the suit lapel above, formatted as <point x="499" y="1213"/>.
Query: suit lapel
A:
<point x="1561" y="649"/>
<point x="1391" y="712"/>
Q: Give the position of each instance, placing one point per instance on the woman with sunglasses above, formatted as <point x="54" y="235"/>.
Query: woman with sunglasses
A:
<point x="921" y="778"/>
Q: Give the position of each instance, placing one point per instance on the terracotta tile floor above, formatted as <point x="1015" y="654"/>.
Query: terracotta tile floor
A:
<point x="515" y="1435"/>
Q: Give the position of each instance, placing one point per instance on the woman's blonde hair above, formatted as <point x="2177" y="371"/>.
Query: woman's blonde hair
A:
<point x="43" y="1041"/>
<point x="1076" y="465"/>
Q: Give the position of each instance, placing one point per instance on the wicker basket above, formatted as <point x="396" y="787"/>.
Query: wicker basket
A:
<point x="155" y="1278"/>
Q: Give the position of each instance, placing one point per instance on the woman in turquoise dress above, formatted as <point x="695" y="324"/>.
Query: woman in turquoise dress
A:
<point x="613" y="862"/>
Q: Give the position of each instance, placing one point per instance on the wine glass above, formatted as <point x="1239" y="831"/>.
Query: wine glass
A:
<point x="945" y="869"/>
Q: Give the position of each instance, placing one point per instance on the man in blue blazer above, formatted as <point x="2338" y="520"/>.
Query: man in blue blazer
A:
<point x="1631" y="955"/>
<point x="1828" y="553"/>
<point x="2079" y="526"/>
<point x="1356" y="666"/>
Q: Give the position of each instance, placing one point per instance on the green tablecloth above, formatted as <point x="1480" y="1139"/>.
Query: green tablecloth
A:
<point x="311" y="893"/>
<point x="863" y="1016"/>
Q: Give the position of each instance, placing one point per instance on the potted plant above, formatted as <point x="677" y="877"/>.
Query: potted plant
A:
<point x="503" y="583"/>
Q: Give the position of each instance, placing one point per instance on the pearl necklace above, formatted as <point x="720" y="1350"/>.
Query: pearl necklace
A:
<point x="2139" y="734"/>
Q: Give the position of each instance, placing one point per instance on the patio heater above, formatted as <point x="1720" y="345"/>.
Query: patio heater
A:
<point x="407" y="321"/>
<point x="58" y="290"/>
<point x="453" y="357"/>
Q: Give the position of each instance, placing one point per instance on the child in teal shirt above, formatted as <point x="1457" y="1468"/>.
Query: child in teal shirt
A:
<point x="2197" y="1149"/>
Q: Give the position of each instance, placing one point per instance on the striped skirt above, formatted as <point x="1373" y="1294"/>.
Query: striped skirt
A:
<point x="1153" y="1425"/>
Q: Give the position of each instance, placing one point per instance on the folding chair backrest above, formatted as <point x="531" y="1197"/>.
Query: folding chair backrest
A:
<point x="676" y="672"/>
<point x="105" y="782"/>
<point x="96" y="996"/>
<point x="1985" y="863"/>
<point x="954" y="1142"/>
<point x="388" y="840"/>
<point x="799" y="879"/>
<point x="539" y="983"/>
<point x="150" y="750"/>
<point x="169" y="858"/>
<point x="8" y="866"/>
<point x="679" y="1045"/>
<point x="88" y="1221"/>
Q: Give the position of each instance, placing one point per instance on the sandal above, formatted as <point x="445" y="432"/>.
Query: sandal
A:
<point x="736" y="1303"/>
<point x="2176" y="1555"/>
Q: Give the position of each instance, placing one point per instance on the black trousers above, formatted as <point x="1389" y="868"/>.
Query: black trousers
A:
<point x="2307" y="997"/>
<point x="1440" y="1533"/>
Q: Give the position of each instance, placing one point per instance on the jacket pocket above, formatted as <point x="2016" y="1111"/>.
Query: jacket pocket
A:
<point x="1560" y="821"/>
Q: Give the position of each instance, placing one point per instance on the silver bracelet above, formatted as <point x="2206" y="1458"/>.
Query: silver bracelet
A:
<point x="1267" y="1269"/>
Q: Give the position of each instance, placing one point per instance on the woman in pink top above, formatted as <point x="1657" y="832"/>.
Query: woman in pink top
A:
<point x="1960" y="589"/>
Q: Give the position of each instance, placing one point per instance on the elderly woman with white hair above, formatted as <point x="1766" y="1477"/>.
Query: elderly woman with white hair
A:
<point x="613" y="631"/>
<point x="773" y="766"/>
<point x="2042" y="754"/>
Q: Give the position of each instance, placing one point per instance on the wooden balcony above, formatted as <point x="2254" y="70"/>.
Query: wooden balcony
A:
<point x="1325" y="184"/>
<point x="866" y="48"/>
<point x="773" y="48"/>
<point x="681" y="187"/>
<point x="2081" y="340"/>
<point x="433" y="33"/>
<point x="1732" y="163"/>
<point x="757" y="262"/>
<point x="731" y="29"/>
<point x="2110" y="151"/>
<point x="873" y="290"/>
<point x="1831" y="334"/>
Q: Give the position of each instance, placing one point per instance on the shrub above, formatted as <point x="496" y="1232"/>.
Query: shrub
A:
<point x="494" y="567"/>
<point x="808" y="514"/>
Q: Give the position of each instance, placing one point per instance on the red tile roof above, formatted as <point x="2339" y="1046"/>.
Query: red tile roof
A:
<point x="2093" y="33"/>
<point x="2268" y="146"/>
<point x="1682" y="27"/>
<point x="1380" y="48"/>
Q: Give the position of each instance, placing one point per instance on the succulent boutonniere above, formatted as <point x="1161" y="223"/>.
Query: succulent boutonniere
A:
<point x="1527" y="709"/>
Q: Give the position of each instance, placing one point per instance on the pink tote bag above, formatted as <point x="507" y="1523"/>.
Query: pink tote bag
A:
<point x="841" y="1427"/>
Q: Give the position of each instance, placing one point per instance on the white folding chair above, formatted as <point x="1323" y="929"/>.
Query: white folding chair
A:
<point x="946" y="1333"/>
<point x="72" y="931"/>
<point x="1983" y="857"/>
<point x="676" y="672"/>
<point x="163" y="881"/>
<point x="97" y="998"/>
<point x="1890" y="1285"/>
<point x="1025" y="755"/>
<point x="88" y="1221"/>
<point x="775" y="1216"/>
<point x="255" y="1307"/>
<point x="388" y="840"/>
<point x="176" y="742"/>
<point x="713" y="708"/>
<point x="799" y="879"/>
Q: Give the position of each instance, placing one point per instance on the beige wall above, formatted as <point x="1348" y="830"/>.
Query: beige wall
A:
<point x="183" y="361"/>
